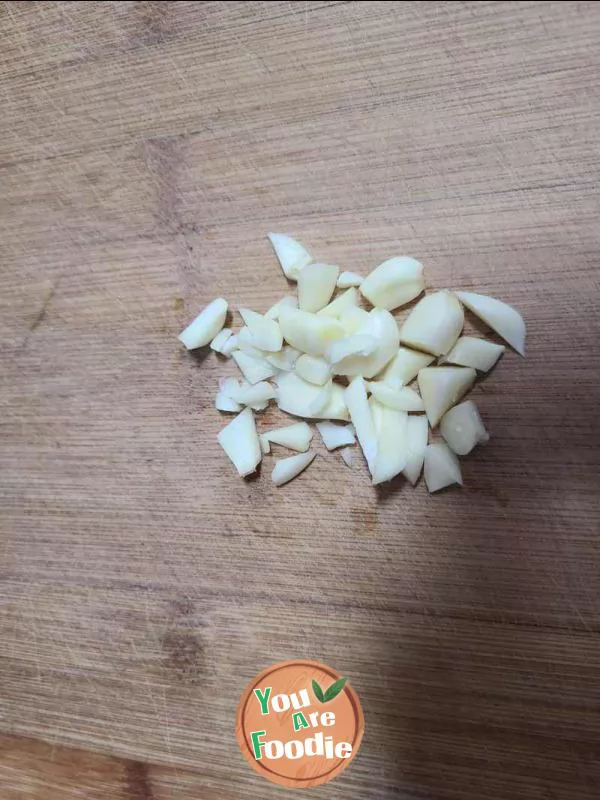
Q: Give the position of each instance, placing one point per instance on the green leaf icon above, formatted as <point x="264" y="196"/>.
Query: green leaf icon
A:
<point x="334" y="689"/>
<point x="318" y="691"/>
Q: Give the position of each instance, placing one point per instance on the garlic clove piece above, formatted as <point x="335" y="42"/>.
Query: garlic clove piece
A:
<point x="336" y="435"/>
<point x="401" y="399"/>
<point x="417" y="435"/>
<point x="434" y="324"/>
<point x="291" y="254"/>
<point x="394" y="283"/>
<point x="316" y="284"/>
<point x="502" y="318"/>
<point x="342" y="303"/>
<point x="296" y="436"/>
<point x="265" y="332"/>
<point x="221" y="340"/>
<point x="286" y="302"/>
<point x="203" y="329"/>
<point x="285" y="359"/>
<point x="471" y="352"/>
<point x="240" y="442"/>
<point x="441" y="467"/>
<point x="348" y="279"/>
<point x="308" y="332"/>
<point x="463" y="428"/>
<point x="392" y="445"/>
<point x="360" y="414"/>
<point x="312" y="369"/>
<point x="288" y="468"/>
<point x="442" y="387"/>
<point x="253" y="369"/>
<point x="405" y="365"/>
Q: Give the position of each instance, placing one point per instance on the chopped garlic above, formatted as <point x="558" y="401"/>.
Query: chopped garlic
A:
<point x="308" y="332"/>
<point x="240" y="441"/>
<point x="463" y="428"/>
<point x="205" y="327"/>
<point x="296" y="436"/>
<point x="265" y="332"/>
<point x="287" y="468"/>
<point x="442" y="387"/>
<point x="286" y="302"/>
<point x="340" y="304"/>
<point x="292" y="256"/>
<point x="316" y="284"/>
<point x="394" y="283"/>
<point x="441" y="467"/>
<point x="417" y="434"/>
<point x="360" y="414"/>
<point x="392" y="445"/>
<point x="502" y="318"/>
<point x="471" y="352"/>
<point x="336" y="435"/>
<point x="221" y="340"/>
<point x="400" y="399"/>
<point x="434" y="324"/>
<point x="312" y="369"/>
<point x="253" y="369"/>
<point x="405" y="365"/>
<point x="348" y="279"/>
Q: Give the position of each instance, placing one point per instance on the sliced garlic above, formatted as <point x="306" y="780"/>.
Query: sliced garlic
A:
<point x="405" y="365"/>
<point x="353" y="319"/>
<point x="442" y="387"/>
<point x="441" y="467"/>
<point x="285" y="359"/>
<point x="220" y="340"/>
<point x="434" y="324"/>
<point x="312" y="369"/>
<point x="400" y="399"/>
<point x="296" y="436"/>
<point x="308" y="332"/>
<point x="463" y="428"/>
<point x="292" y="256"/>
<point x="360" y="344"/>
<point x="265" y="332"/>
<point x="240" y="441"/>
<point x="417" y="435"/>
<point x="395" y="282"/>
<point x="471" y="352"/>
<point x="360" y="414"/>
<point x="348" y="279"/>
<point x="265" y="445"/>
<point x="392" y="445"/>
<point x="381" y="326"/>
<point x="316" y="284"/>
<point x="225" y="403"/>
<point x="336" y="435"/>
<point x="341" y="304"/>
<point x="286" y="302"/>
<point x="376" y="409"/>
<point x="255" y="395"/>
<point x="298" y="397"/>
<point x="230" y="345"/>
<point x="347" y="454"/>
<point x="229" y="387"/>
<point x="287" y="468"/>
<point x="202" y="330"/>
<point x="253" y="369"/>
<point x="502" y="318"/>
<point x="248" y="344"/>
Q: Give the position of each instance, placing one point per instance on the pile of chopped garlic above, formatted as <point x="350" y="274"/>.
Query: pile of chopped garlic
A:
<point x="325" y="358"/>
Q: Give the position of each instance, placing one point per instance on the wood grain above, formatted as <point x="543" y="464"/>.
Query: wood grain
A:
<point x="145" y="150"/>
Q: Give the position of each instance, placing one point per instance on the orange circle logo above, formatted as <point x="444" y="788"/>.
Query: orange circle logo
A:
<point x="299" y="723"/>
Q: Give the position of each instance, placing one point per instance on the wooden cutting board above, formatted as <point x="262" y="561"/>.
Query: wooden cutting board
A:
<point x="145" y="151"/>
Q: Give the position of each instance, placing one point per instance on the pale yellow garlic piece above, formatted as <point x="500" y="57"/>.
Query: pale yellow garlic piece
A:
<point x="463" y="428"/>
<point x="400" y="399"/>
<point x="395" y="282"/>
<point x="382" y="327"/>
<point x="292" y="256"/>
<point x="285" y="359"/>
<point x="502" y="318"/>
<point x="417" y="435"/>
<point x="265" y="332"/>
<point x="221" y="340"/>
<point x="312" y="369"/>
<point x="288" y="468"/>
<point x="441" y="467"/>
<point x="471" y="352"/>
<point x="405" y="365"/>
<point x="295" y="437"/>
<point x="442" y="387"/>
<point x="286" y="302"/>
<point x="392" y="445"/>
<point x="340" y="304"/>
<point x="202" y="330"/>
<point x="348" y="279"/>
<point x="336" y="435"/>
<point x="316" y="284"/>
<point x="253" y="369"/>
<point x="360" y="414"/>
<point x="240" y="441"/>
<point x="353" y="319"/>
<point x="309" y="333"/>
<point x="434" y="324"/>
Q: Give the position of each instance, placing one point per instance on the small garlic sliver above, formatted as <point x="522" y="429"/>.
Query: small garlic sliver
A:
<point x="288" y="468"/>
